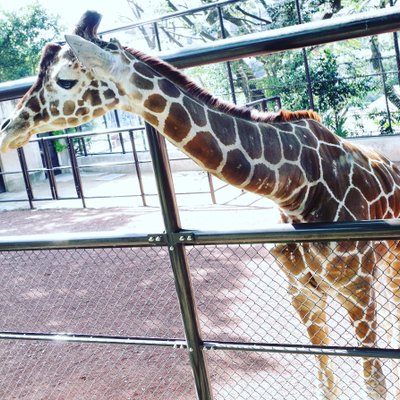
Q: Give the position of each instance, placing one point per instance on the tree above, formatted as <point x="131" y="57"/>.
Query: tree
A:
<point x="22" y="37"/>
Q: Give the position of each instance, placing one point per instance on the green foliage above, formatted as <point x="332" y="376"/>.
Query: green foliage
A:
<point x="23" y="34"/>
<point x="334" y="92"/>
<point x="381" y="118"/>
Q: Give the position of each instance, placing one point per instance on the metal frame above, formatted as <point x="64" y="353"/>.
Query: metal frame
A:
<point x="176" y="239"/>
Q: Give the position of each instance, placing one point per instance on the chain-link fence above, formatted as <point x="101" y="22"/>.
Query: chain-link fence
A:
<point x="111" y="294"/>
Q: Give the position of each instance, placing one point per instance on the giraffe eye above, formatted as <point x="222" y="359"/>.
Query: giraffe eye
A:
<point x="66" y="83"/>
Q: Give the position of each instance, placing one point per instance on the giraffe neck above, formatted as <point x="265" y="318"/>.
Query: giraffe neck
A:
<point x="261" y="157"/>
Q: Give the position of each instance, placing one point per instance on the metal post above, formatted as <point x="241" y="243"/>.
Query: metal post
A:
<point x="83" y="146"/>
<point x="212" y="190"/>
<point x="121" y="138"/>
<point x="25" y="175"/>
<point x="396" y="47"/>
<point x="49" y="167"/>
<point x="179" y="263"/>
<point x="75" y="171"/>
<point x="137" y="167"/>
<point x="156" y="32"/>
<point x="306" y="66"/>
<point x="228" y="63"/>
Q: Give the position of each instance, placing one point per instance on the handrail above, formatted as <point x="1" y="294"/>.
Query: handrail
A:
<point x="289" y="38"/>
<point x="173" y="14"/>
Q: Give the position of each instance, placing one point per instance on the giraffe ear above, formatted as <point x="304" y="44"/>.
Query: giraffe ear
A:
<point x="90" y="55"/>
<point x="88" y="25"/>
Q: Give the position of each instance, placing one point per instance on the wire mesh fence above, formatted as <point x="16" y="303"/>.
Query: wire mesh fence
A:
<point x="241" y="294"/>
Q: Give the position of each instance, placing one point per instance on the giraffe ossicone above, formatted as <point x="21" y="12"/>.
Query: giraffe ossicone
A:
<point x="289" y="157"/>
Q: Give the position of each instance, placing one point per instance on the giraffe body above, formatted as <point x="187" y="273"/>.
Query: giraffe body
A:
<point x="289" y="157"/>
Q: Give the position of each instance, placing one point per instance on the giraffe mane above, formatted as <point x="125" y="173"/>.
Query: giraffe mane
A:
<point x="197" y="92"/>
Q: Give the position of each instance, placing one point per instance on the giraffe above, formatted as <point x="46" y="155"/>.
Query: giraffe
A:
<point x="289" y="157"/>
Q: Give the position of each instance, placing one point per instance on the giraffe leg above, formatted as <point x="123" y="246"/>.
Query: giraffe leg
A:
<point x="310" y="303"/>
<point x="392" y="275"/>
<point x="361" y="306"/>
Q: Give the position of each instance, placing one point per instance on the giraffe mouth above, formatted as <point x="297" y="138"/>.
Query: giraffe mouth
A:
<point x="9" y="140"/>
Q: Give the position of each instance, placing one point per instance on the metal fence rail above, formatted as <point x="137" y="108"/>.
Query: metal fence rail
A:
<point x="118" y="292"/>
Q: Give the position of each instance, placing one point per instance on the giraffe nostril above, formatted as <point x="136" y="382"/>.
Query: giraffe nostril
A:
<point x="5" y="124"/>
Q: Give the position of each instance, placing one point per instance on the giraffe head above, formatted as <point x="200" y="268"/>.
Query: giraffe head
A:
<point x="69" y="91"/>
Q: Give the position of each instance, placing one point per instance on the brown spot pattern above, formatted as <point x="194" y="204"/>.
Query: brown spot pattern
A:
<point x="92" y="96"/>
<point x="69" y="107"/>
<point x="309" y="161"/>
<point x="24" y="115"/>
<point x="196" y="111"/>
<point x="320" y="206"/>
<point x="305" y="136"/>
<point x="140" y="82"/>
<point x="155" y="103"/>
<point x="335" y="169"/>
<point x="150" y="118"/>
<point x="205" y="148"/>
<point x="144" y="70"/>
<point x="82" y="111"/>
<point x="223" y="127"/>
<point x="236" y="169"/>
<point x="33" y="104"/>
<point x="73" y="121"/>
<point x="109" y="94"/>
<point x="272" y="145"/>
<point x="290" y="177"/>
<point x="291" y="146"/>
<point x="168" y="88"/>
<point x="249" y="138"/>
<point x="54" y="108"/>
<point x="98" y="112"/>
<point x="177" y="125"/>
<point x="263" y="180"/>
<point x="366" y="182"/>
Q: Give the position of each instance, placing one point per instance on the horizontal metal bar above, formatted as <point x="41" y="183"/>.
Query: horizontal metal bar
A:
<point x="170" y="15"/>
<point x="338" y="351"/>
<point x="304" y="349"/>
<point x="88" y="133"/>
<point x="285" y="233"/>
<point x="94" y="339"/>
<point x="270" y="41"/>
<point x="289" y="38"/>
<point x="72" y="241"/>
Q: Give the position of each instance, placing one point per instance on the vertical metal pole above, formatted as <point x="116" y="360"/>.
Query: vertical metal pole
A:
<point x="83" y="146"/>
<point x="396" y="48"/>
<point x="157" y="33"/>
<point x="306" y="66"/>
<point x="228" y="64"/>
<point x="179" y="263"/>
<point x="121" y="138"/>
<point x="386" y="95"/>
<point x="75" y="171"/>
<point x="49" y="167"/>
<point x="137" y="167"/>
<point x="109" y="143"/>
<point x="212" y="190"/>
<point x="25" y="175"/>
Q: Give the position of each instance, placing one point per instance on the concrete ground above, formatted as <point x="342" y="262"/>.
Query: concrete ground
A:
<point x="234" y="209"/>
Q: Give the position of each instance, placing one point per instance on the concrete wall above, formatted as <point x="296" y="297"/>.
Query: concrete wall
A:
<point x="387" y="145"/>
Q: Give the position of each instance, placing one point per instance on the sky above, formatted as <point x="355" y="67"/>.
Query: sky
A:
<point x="71" y="10"/>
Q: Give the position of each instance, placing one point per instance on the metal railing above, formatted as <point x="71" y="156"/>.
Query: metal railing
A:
<point x="229" y="295"/>
<point x="74" y="167"/>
